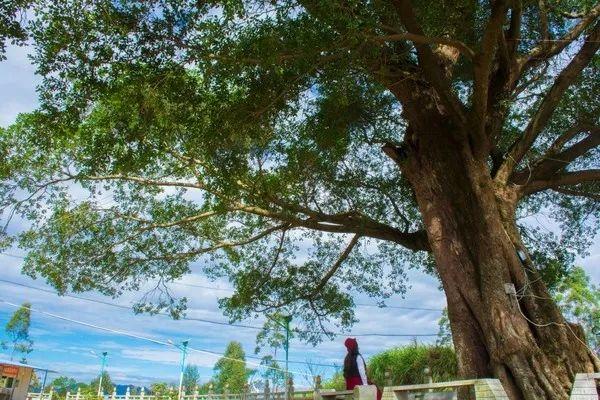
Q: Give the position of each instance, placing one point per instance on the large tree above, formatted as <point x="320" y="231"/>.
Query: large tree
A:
<point x="309" y="149"/>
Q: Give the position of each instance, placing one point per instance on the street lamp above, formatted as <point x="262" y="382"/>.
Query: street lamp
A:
<point x="183" y="347"/>
<point x="286" y="346"/>
<point x="104" y="354"/>
<point x="287" y="319"/>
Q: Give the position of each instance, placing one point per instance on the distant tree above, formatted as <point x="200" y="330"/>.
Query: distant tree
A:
<point x="62" y="385"/>
<point x="35" y="384"/>
<point x="231" y="370"/>
<point x="336" y="382"/>
<point x="17" y="329"/>
<point x="206" y="388"/>
<point x="191" y="376"/>
<point x="272" y="373"/>
<point x="579" y="301"/>
<point x="107" y="384"/>
<point x="163" y="390"/>
<point x="272" y="334"/>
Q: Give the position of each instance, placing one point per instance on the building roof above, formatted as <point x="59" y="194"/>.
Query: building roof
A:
<point x="18" y="364"/>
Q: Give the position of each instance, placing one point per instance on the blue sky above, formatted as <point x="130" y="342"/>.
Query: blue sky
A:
<point x="65" y="346"/>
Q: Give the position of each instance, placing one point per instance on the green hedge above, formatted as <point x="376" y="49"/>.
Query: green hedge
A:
<point x="407" y="364"/>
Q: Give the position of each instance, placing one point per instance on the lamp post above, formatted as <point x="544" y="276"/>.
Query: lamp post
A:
<point x="183" y="347"/>
<point x="104" y="354"/>
<point x="286" y="346"/>
<point x="286" y="324"/>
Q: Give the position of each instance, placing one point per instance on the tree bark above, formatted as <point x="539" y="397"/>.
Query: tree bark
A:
<point x="521" y="338"/>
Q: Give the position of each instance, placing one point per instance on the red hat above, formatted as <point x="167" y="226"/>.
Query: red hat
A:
<point x="351" y="344"/>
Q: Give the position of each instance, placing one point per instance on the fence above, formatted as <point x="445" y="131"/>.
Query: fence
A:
<point x="484" y="389"/>
<point x="266" y="394"/>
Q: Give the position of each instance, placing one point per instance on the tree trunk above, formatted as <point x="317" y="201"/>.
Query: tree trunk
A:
<point x="520" y="338"/>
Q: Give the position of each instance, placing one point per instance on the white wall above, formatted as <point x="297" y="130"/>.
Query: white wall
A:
<point x="24" y="376"/>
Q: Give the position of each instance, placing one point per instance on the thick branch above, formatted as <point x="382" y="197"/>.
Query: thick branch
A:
<point x="566" y="179"/>
<point x="554" y="161"/>
<point x="513" y="35"/>
<point x="501" y="82"/>
<point x="349" y="222"/>
<point x="549" y="104"/>
<point x="563" y="139"/>
<point x="483" y="65"/>
<point x="345" y="223"/>
<point x="427" y="59"/>
<point x="577" y="193"/>
<point x="460" y="46"/>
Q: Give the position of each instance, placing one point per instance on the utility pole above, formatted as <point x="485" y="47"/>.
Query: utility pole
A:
<point x="183" y="347"/>
<point x="103" y="365"/>
<point x="287" y="319"/>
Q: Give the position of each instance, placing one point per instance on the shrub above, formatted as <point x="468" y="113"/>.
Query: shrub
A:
<point x="407" y="364"/>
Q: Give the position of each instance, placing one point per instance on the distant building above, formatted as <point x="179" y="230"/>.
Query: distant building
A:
<point x="15" y="379"/>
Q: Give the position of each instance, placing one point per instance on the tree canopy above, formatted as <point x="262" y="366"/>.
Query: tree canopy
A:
<point x="231" y="374"/>
<point x="17" y="330"/>
<point x="235" y="133"/>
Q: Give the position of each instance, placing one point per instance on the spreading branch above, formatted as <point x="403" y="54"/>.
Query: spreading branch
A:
<point x="217" y="246"/>
<point x="577" y="193"/>
<point x="428" y="61"/>
<point x="345" y="222"/>
<point x="554" y="160"/>
<point x="551" y="100"/>
<point x="565" y="179"/>
<point x="569" y="135"/>
<point x="483" y="66"/>
<point x="545" y="49"/>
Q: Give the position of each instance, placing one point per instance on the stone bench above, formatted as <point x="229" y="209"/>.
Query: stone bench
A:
<point x="485" y="389"/>
<point x="585" y="387"/>
<point x="333" y="394"/>
<point x="364" y="392"/>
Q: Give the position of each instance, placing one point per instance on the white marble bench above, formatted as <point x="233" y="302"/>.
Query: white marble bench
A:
<point x="485" y="389"/>
<point x="585" y="387"/>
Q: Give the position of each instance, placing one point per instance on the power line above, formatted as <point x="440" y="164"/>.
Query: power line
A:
<point x="187" y="318"/>
<point x="232" y="291"/>
<point x="122" y="306"/>
<point x="136" y="336"/>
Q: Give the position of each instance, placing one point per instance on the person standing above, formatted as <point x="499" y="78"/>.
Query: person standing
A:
<point x="355" y="368"/>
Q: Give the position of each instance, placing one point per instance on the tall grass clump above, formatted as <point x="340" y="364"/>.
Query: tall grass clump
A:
<point x="407" y="364"/>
